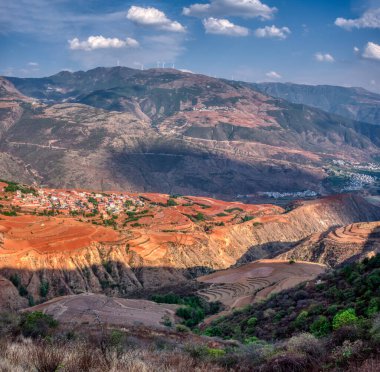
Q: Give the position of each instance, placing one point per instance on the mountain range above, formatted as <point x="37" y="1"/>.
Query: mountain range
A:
<point x="163" y="130"/>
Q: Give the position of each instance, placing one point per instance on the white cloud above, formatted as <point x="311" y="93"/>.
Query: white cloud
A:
<point x="101" y="42"/>
<point x="223" y="27"/>
<point x="238" y="8"/>
<point x="153" y="17"/>
<point x="324" y="57"/>
<point x="273" y="32"/>
<point x="273" y="75"/>
<point x="372" y="51"/>
<point x="369" y="19"/>
<point x="33" y="64"/>
<point x="356" y="50"/>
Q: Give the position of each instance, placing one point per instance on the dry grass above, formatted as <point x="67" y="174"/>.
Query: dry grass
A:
<point x="26" y="356"/>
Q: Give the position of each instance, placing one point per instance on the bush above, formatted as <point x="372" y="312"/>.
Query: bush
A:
<point x="344" y="318"/>
<point x="252" y="321"/>
<point x="44" y="288"/>
<point x="301" y="320"/>
<point x="307" y="344"/>
<point x="375" y="330"/>
<point x="320" y="327"/>
<point x="37" y="324"/>
<point x="182" y="328"/>
<point x="349" y="350"/>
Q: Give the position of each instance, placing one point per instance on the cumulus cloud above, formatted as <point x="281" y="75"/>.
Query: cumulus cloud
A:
<point x="356" y="50"/>
<point x="273" y="75"/>
<point x="238" y="8"/>
<point x="33" y="64"/>
<point x="101" y="42"/>
<point x="369" y="19"/>
<point x="324" y="57"/>
<point x="273" y="32"/>
<point x="152" y="17"/>
<point x="223" y="27"/>
<point x="372" y="51"/>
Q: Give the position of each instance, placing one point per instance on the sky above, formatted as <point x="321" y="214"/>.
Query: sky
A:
<point x="335" y="42"/>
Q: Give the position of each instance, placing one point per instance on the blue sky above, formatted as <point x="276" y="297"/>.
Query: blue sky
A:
<point x="304" y="41"/>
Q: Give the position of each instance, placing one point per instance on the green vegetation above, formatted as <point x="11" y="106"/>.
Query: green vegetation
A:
<point x="194" y="308"/>
<point x="200" y="216"/>
<point x="344" y="318"/>
<point x="233" y="210"/>
<point x="171" y="203"/>
<point x="37" y="324"/>
<point x="44" y="288"/>
<point x="13" y="187"/>
<point x="247" y="218"/>
<point x="346" y="297"/>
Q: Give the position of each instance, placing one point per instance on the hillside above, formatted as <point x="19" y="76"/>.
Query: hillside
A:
<point x="162" y="130"/>
<point x="310" y="307"/>
<point x="352" y="103"/>
<point x="62" y="242"/>
<point x="338" y="245"/>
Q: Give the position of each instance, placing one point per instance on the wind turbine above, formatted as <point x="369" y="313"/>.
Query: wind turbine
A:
<point x="158" y="64"/>
<point x="163" y="64"/>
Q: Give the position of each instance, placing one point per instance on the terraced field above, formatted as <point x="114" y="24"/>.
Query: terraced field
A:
<point x="256" y="281"/>
<point x="341" y="244"/>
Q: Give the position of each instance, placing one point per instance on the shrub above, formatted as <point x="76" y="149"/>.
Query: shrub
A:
<point x="252" y="321"/>
<point x="286" y="362"/>
<point x="320" y="327"/>
<point x="47" y="358"/>
<point x="200" y="216"/>
<point x="344" y="318"/>
<point x="307" y="344"/>
<point x="215" y="353"/>
<point x="44" y="288"/>
<point x="347" y="351"/>
<point x="375" y="330"/>
<point x="171" y="203"/>
<point x="182" y="328"/>
<point x="37" y="324"/>
<point x="301" y="320"/>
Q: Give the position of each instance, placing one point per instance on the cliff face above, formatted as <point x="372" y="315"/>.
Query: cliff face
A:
<point x="104" y="261"/>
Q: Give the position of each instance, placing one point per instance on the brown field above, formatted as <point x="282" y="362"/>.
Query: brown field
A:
<point x="91" y="308"/>
<point x="256" y="281"/>
<point x="48" y="234"/>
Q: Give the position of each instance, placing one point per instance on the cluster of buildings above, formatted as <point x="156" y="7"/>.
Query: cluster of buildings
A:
<point x="72" y="201"/>
<point x="297" y="194"/>
<point x="359" y="181"/>
<point x="213" y="108"/>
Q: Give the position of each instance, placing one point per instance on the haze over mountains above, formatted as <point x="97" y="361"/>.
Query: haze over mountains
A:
<point x="353" y="103"/>
<point x="162" y="130"/>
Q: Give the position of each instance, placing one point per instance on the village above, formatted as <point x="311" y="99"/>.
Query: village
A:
<point x="72" y="202"/>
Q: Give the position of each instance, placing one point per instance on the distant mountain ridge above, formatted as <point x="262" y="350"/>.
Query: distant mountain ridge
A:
<point x="352" y="103"/>
<point x="163" y="130"/>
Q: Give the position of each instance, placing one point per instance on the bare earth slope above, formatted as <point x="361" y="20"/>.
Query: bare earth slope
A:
<point x="169" y="244"/>
<point x="162" y="130"/>
<point x="256" y="281"/>
<point x="340" y="245"/>
<point x="92" y="308"/>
